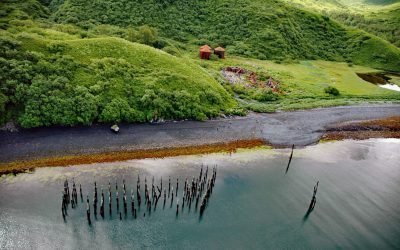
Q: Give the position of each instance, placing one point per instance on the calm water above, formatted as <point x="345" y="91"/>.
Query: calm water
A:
<point x="254" y="204"/>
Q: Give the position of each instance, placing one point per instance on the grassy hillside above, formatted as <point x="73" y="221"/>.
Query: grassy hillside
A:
<point x="302" y="84"/>
<point x="378" y="17"/>
<point x="75" y="62"/>
<point x="50" y="77"/>
<point x="263" y="29"/>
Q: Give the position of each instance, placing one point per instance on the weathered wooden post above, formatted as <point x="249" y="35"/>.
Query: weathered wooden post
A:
<point x="88" y="210"/>
<point x="290" y="160"/>
<point x="177" y="185"/>
<point x="177" y="207"/>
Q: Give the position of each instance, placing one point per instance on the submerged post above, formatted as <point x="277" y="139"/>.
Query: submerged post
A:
<point x="177" y="185"/>
<point x="313" y="199"/>
<point x="290" y="160"/>
<point x="88" y="210"/>
<point x="177" y="207"/>
<point x="80" y="191"/>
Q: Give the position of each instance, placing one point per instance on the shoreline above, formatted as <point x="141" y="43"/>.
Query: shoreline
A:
<point x="29" y="149"/>
<point x="380" y="128"/>
<point x="64" y="161"/>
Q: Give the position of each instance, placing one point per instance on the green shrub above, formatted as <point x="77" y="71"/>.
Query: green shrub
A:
<point x="214" y="57"/>
<point x="332" y="91"/>
<point x="264" y="95"/>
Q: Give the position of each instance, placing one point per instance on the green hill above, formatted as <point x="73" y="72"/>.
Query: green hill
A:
<point x="69" y="62"/>
<point x="263" y="29"/>
<point x="378" y="17"/>
<point x="49" y="77"/>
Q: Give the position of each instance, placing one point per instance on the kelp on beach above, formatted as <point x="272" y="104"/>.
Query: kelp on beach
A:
<point x="380" y="128"/>
<point x="63" y="161"/>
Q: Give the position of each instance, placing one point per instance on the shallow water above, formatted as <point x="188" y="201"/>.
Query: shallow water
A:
<point x="253" y="205"/>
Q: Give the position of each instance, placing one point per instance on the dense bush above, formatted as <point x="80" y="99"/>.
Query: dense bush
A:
<point x="41" y="89"/>
<point x="384" y="25"/>
<point x="331" y="91"/>
<point x="258" y="94"/>
<point x="146" y="35"/>
<point x="264" y="95"/>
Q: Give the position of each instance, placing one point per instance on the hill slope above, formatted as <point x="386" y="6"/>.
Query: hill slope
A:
<point x="49" y="77"/>
<point x="66" y="74"/>
<point x="263" y="29"/>
<point x="378" y="17"/>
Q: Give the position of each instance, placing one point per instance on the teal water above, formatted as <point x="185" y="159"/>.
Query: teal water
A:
<point x="254" y="205"/>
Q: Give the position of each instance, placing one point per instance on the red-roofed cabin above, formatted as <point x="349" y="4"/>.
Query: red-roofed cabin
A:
<point x="205" y="52"/>
<point x="220" y="52"/>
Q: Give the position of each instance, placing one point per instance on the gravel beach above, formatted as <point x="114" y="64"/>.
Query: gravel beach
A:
<point x="279" y="129"/>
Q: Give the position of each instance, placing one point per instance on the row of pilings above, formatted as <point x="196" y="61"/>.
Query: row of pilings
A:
<point x="195" y="195"/>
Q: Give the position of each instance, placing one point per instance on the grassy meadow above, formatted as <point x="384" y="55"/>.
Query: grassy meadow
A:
<point x="303" y="83"/>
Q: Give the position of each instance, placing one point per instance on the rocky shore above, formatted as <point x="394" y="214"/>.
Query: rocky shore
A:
<point x="27" y="149"/>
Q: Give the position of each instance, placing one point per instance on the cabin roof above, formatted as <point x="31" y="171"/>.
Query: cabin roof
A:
<point x="205" y="46"/>
<point x="219" y="49"/>
<point x="205" y="49"/>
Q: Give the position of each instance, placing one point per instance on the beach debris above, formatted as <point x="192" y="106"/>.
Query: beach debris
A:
<point x="114" y="128"/>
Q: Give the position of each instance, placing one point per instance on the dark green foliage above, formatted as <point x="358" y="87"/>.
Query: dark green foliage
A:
<point x="258" y="94"/>
<point x="264" y="95"/>
<point x="331" y="91"/>
<point x="260" y="29"/>
<point x="119" y="110"/>
<point x="385" y="25"/>
<point x="41" y="90"/>
<point x="11" y="10"/>
<point x="53" y="100"/>
<point x="70" y="80"/>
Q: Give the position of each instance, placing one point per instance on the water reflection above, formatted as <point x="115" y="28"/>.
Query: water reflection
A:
<point x="254" y="203"/>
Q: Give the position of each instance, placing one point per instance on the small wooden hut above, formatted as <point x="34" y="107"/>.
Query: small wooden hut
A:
<point x="205" y="52"/>
<point x="220" y="52"/>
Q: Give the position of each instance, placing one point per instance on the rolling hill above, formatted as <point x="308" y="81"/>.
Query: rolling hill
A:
<point x="381" y="18"/>
<point x="49" y="77"/>
<point x="263" y="29"/>
<point x="71" y="62"/>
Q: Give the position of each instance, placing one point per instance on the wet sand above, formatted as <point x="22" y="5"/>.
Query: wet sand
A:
<point x="278" y="129"/>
